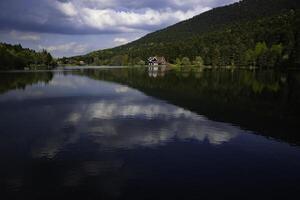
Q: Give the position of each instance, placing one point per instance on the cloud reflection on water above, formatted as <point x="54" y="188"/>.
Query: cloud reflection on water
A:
<point x="118" y="117"/>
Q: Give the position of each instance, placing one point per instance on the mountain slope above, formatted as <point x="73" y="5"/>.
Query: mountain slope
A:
<point x="246" y="10"/>
<point x="250" y="32"/>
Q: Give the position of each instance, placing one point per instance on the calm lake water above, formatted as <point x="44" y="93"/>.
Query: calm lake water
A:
<point x="131" y="134"/>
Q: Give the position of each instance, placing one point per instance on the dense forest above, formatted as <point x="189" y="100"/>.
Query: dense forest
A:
<point x="17" y="57"/>
<point x="258" y="33"/>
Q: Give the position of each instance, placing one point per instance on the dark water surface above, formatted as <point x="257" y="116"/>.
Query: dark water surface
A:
<point x="130" y="134"/>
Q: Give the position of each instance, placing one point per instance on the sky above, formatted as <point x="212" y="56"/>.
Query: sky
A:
<point x="76" y="27"/>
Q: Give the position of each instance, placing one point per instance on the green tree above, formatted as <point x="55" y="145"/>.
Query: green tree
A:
<point x="250" y="58"/>
<point x="125" y="60"/>
<point x="137" y="61"/>
<point x="141" y="63"/>
<point x="261" y="54"/>
<point x="199" y="61"/>
<point x="178" y="61"/>
<point x="117" y="60"/>
<point x="17" y="57"/>
<point x="215" y="57"/>
<point x="260" y="48"/>
<point x="185" y="61"/>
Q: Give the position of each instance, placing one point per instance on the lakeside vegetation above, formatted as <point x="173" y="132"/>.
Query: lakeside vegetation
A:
<point x="15" y="57"/>
<point x="249" y="33"/>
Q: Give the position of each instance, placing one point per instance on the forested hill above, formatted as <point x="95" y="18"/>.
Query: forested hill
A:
<point x="246" y="10"/>
<point x="250" y="32"/>
<point x="16" y="57"/>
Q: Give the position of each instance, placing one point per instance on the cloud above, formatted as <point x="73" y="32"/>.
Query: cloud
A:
<point x="25" y="36"/>
<point x="68" y="47"/>
<point x="67" y="8"/>
<point x="120" y="41"/>
<point x="106" y="110"/>
<point x="130" y="20"/>
<point x="98" y="16"/>
<point x="121" y="89"/>
<point x="73" y="118"/>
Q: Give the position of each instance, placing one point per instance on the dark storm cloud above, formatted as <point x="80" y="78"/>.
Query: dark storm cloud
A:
<point x="97" y="16"/>
<point x="39" y="16"/>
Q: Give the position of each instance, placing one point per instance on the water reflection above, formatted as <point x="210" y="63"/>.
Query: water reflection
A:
<point x="117" y="117"/>
<point x="72" y="136"/>
<point x="156" y="74"/>
<point x="267" y="101"/>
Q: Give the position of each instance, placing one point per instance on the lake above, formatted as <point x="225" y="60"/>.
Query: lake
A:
<point x="132" y="134"/>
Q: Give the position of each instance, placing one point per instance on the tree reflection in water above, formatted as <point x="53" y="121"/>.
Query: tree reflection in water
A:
<point x="67" y="135"/>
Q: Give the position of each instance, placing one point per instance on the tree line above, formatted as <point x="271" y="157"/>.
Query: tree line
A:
<point x="17" y="57"/>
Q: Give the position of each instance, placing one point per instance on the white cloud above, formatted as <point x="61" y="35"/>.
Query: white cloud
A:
<point x="99" y="16"/>
<point x="67" y="8"/>
<point x="119" y="41"/>
<point x="123" y="20"/>
<point x="105" y="110"/>
<point x="68" y="47"/>
<point x="74" y="118"/>
<point x="134" y="19"/>
<point x="174" y="123"/>
<point x="25" y="36"/>
<point x="121" y="89"/>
